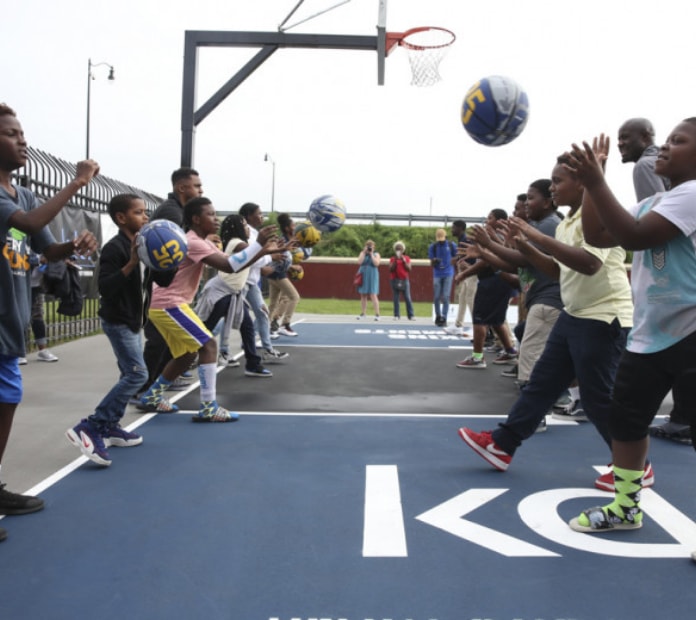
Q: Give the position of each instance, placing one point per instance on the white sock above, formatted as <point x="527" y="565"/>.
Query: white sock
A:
<point x="574" y="393"/>
<point x="207" y="373"/>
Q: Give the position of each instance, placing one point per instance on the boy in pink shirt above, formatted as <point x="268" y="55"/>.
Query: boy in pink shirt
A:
<point x="172" y="315"/>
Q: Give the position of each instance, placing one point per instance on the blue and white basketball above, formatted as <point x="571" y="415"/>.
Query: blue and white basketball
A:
<point x="327" y="213"/>
<point x="495" y="110"/>
<point x="162" y="245"/>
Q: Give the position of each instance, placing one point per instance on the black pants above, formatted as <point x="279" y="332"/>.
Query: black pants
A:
<point x="642" y="382"/>
<point x="156" y="354"/>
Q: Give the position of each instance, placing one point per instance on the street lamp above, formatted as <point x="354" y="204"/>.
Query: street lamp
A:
<point x="267" y="157"/>
<point x="90" y="77"/>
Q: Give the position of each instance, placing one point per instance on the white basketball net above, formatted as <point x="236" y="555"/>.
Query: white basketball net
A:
<point x="426" y="48"/>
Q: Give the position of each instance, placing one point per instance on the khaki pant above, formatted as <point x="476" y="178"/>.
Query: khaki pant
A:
<point x="538" y="326"/>
<point x="465" y="296"/>
<point x="283" y="299"/>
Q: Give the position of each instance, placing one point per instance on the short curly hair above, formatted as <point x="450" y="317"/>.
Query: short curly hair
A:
<point x="6" y="110"/>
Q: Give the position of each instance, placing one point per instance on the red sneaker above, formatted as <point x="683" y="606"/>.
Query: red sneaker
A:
<point x="606" y="481"/>
<point x="485" y="447"/>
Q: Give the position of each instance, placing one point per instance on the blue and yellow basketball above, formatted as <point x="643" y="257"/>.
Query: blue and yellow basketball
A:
<point x="162" y="245"/>
<point x="495" y="110"/>
<point x="298" y="256"/>
<point x="327" y="213"/>
<point x="306" y="235"/>
<point x="296" y="272"/>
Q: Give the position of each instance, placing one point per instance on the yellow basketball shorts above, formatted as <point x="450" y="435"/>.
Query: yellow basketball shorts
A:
<point x="181" y="329"/>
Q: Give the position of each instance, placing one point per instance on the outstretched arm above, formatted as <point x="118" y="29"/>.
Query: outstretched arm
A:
<point x="574" y="258"/>
<point x="593" y="228"/>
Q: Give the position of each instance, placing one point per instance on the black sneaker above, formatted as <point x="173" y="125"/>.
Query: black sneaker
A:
<point x="16" y="504"/>
<point x="510" y="372"/>
<point x="674" y="431"/>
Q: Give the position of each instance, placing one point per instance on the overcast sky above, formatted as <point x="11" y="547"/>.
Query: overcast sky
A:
<point x="321" y="116"/>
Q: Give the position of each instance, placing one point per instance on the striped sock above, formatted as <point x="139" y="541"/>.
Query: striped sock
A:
<point x="626" y="504"/>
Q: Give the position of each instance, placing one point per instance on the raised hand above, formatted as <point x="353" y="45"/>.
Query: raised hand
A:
<point x="85" y="243"/>
<point x="600" y="147"/>
<point x="584" y="164"/>
<point x="86" y="171"/>
<point x="267" y="233"/>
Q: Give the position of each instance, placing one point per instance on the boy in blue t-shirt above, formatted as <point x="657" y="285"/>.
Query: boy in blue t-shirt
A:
<point x="442" y="255"/>
<point x="660" y="353"/>
<point x="23" y="226"/>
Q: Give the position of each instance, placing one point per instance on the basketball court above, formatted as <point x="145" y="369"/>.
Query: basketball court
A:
<point x="344" y="492"/>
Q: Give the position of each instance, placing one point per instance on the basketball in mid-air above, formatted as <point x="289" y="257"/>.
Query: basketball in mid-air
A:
<point x="327" y="213"/>
<point x="306" y="235"/>
<point x="495" y="110"/>
<point x="161" y="245"/>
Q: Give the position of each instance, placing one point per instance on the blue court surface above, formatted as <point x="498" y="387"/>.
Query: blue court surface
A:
<point x="348" y="515"/>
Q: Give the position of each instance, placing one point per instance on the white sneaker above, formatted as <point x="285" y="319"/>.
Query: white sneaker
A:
<point x="286" y="330"/>
<point x="46" y="356"/>
<point x="454" y="331"/>
<point x="22" y="361"/>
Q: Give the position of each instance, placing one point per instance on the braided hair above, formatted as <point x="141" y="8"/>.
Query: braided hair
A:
<point x="232" y="227"/>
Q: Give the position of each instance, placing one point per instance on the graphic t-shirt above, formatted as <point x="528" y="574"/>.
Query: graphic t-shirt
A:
<point x="663" y="278"/>
<point x="15" y="288"/>
<point x="184" y="287"/>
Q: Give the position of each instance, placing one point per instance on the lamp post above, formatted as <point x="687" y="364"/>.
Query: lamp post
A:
<point x="90" y="77"/>
<point x="267" y="157"/>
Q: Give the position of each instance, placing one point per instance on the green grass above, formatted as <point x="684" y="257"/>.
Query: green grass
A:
<point x="352" y="306"/>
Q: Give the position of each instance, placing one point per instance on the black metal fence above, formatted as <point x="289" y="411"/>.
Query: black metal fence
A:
<point x="45" y="175"/>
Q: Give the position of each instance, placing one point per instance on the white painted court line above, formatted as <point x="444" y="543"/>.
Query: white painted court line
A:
<point x="68" y="469"/>
<point x="384" y="533"/>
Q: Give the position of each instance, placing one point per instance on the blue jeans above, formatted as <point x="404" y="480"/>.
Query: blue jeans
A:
<point x="442" y="287"/>
<point x="261" y="323"/>
<point x="586" y="349"/>
<point x="128" y="348"/>
<point x="406" y="291"/>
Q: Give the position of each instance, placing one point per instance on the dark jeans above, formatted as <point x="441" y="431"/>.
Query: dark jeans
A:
<point x="246" y="329"/>
<point x="584" y="348"/>
<point x="38" y="324"/>
<point x="406" y="292"/>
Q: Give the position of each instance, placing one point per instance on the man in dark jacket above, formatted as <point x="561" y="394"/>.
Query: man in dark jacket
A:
<point x="186" y="184"/>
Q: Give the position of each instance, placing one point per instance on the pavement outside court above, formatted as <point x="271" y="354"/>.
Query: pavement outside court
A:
<point x="58" y="394"/>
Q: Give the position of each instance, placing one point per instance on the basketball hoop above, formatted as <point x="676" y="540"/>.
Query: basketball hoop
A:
<point x="426" y="47"/>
